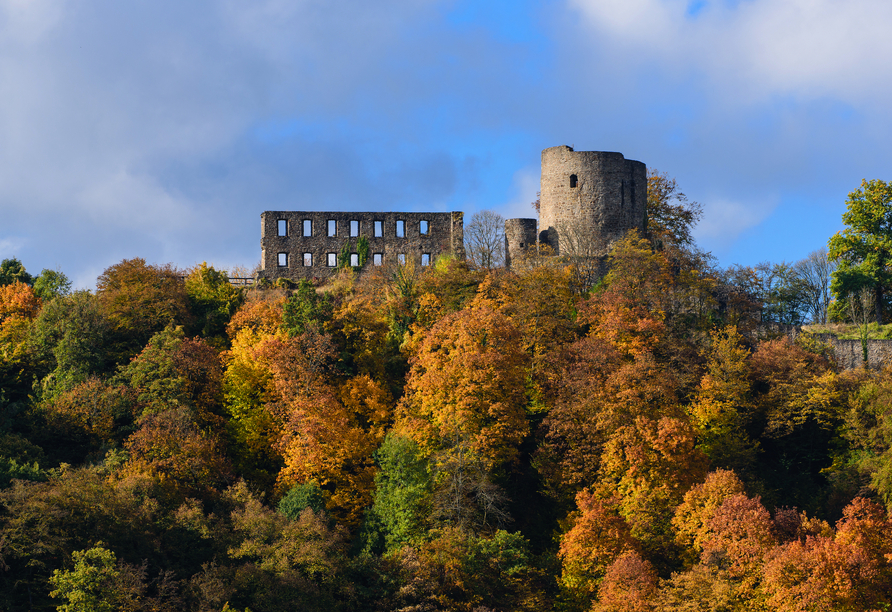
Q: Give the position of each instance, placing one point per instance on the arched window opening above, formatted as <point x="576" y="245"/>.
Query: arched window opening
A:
<point x="573" y="181"/>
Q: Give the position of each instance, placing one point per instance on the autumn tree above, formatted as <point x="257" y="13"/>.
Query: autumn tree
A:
<point x="630" y="312"/>
<point x="141" y="299"/>
<point x="321" y="439"/>
<point x="467" y="383"/>
<point x="846" y="571"/>
<point x="723" y="406"/>
<point x="598" y="537"/>
<point x="739" y="535"/>
<point x="19" y="306"/>
<point x="692" y="517"/>
<point x="253" y="431"/>
<point x="630" y="585"/>
<point x="863" y="251"/>
<point x="212" y="302"/>
<point x="173" y="371"/>
<point x="181" y="459"/>
<point x="671" y="216"/>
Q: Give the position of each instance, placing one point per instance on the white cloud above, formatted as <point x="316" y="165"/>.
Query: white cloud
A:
<point x="756" y="49"/>
<point x="724" y="220"/>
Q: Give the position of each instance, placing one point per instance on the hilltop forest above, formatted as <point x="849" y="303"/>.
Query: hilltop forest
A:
<point x="458" y="437"/>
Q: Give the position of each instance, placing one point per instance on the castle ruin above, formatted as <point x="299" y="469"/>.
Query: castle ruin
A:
<point x="589" y="200"/>
<point x="305" y="245"/>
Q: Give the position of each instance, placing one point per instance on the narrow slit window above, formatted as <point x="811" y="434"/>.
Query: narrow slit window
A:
<point x="354" y="228"/>
<point x="308" y="227"/>
<point x="378" y="259"/>
<point x="573" y="181"/>
<point x="332" y="260"/>
<point x="379" y="229"/>
<point x="308" y="259"/>
<point x="401" y="259"/>
<point x="283" y="260"/>
<point x="354" y="260"/>
<point x="400" y="229"/>
<point x="423" y="228"/>
<point x="332" y="227"/>
<point x="425" y="259"/>
<point x="283" y="227"/>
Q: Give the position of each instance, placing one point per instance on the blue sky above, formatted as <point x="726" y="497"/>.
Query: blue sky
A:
<point x="163" y="129"/>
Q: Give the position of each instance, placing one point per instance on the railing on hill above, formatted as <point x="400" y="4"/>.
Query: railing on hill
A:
<point x="241" y="281"/>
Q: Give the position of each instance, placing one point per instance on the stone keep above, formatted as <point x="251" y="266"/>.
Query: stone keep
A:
<point x="589" y="200"/>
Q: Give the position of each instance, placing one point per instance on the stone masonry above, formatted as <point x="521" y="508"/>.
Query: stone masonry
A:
<point x="520" y="235"/>
<point x="305" y="244"/>
<point x="589" y="200"/>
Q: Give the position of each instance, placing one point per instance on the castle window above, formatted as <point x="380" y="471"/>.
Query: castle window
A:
<point x="401" y="259"/>
<point x="354" y="228"/>
<point x="423" y="228"/>
<point x="378" y="259"/>
<point x="308" y="227"/>
<point x="283" y="260"/>
<point x="400" y="229"/>
<point x="283" y="227"/>
<point x="379" y="229"/>
<point x="354" y="260"/>
<point x="425" y="259"/>
<point x="573" y="181"/>
<point x="308" y="259"/>
<point x="332" y="227"/>
<point x="332" y="260"/>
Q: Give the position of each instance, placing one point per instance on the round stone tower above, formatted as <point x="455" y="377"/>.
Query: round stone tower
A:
<point x="589" y="200"/>
<point x="520" y="235"/>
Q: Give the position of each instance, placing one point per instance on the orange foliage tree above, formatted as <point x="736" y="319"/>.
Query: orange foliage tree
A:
<point x="598" y="537"/>
<point x="321" y="439"/>
<point x="467" y="384"/>
<point x="630" y="585"/>
<point x="849" y="571"/>
<point x="174" y="453"/>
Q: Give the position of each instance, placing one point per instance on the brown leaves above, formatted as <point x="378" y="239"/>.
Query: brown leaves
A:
<point x="183" y="460"/>
<point x="629" y="586"/>
<point x="630" y="312"/>
<point x="850" y="571"/>
<point x="18" y="300"/>
<point x="467" y="383"/>
<point x="599" y="535"/>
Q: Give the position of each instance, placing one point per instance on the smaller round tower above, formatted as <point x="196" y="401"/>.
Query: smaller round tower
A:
<point x="520" y="235"/>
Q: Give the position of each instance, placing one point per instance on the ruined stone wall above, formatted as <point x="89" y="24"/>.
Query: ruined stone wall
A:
<point x="589" y="200"/>
<point x="849" y="354"/>
<point x="310" y="256"/>
<point x="520" y="234"/>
